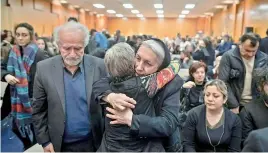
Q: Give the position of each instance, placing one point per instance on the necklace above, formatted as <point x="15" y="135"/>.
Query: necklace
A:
<point x="214" y="146"/>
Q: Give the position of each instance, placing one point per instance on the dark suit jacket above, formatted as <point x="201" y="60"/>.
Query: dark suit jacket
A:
<point x="257" y="141"/>
<point x="264" y="45"/>
<point x="49" y="100"/>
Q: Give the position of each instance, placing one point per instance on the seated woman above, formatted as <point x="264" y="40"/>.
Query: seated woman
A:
<point x="212" y="127"/>
<point x="254" y="114"/>
<point x="192" y="90"/>
<point x="119" y="61"/>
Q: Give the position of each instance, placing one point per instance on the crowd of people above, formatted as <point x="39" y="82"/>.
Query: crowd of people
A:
<point x="85" y="91"/>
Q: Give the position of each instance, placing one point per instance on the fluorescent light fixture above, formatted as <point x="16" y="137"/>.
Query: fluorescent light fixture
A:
<point x="209" y="13"/>
<point x="135" y="11"/>
<point x="139" y="15"/>
<point x="128" y="5"/>
<point x="228" y="2"/>
<point x="219" y="6"/>
<point x="182" y="16"/>
<point x="158" y="6"/>
<point x="124" y="18"/>
<point x="98" y="5"/>
<point x="63" y="2"/>
<point x="76" y="6"/>
<point x="189" y="6"/>
<point x="111" y="11"/>
<point x="185" y="12"/>
<point x="263" y="7"/>
<point x="86" y="9"/>
<point x="119" y="15"/>
<point x="159" y="11"/>
<point x="160" y="15"/>
<point x="98" y="15"/>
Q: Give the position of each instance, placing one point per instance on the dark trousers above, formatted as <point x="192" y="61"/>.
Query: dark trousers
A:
<point x="80" y="146"/>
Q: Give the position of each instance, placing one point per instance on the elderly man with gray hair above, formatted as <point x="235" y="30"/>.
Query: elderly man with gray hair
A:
<point x="120" y="61"/>
<point x="65" y="117"/>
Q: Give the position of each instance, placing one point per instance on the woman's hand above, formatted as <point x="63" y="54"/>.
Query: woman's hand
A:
<point x="10" y="79"/>
<point x="120" y="117"/>
<point x="120" y="101"/>
<point x="188" y="84"/>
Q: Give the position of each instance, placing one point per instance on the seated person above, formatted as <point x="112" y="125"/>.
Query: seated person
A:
<point x="257" y="141"/>
<point x="212" y="127"/>
<point x="254" y="114"/>
<point x="119" y="61"/>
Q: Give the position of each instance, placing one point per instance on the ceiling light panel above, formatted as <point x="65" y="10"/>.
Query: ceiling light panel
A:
<point x="119" y="15"/>
<point x="158" y="6"/>
<point x="98" y="5"/>
<point x="181" y="16"/>
<point x="159" y="11"/>
<point x="185" y="12"/>
<point x="111" y="11"/>
<point x="128" y="5"/>
<point x="189" y="6"/>
<point x="135" y="11"/>
<point x="139" y="15"/>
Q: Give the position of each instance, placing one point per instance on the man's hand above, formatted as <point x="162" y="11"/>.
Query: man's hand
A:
<point x="120" y="117"/>
<point x="120" y="101"/>
<point x="49" y="148"/>
<point x="235" y="110"/>
<point x="10" y="79"/>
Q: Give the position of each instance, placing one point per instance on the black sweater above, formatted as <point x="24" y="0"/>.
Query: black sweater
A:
<point x="195" y="137"/>
<point x="254" y="116"/>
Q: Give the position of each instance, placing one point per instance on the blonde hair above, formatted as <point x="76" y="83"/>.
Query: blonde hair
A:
<point x="221" y="86"/>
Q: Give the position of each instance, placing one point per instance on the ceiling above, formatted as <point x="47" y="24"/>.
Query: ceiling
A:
<point x="172" y="8"/>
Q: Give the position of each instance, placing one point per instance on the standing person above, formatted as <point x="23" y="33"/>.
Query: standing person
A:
<point x="212" y="127"/>
<point x="18" y="70"/>
<point x="254" y="115"/>
<point x="119" y="61"/>
<point x="264" y="44"/>
<point x="99" y="38"/>
<point x="236" y="67"/>
<point x="65" y="117"/>
<point x="257" y="141"/>
<point x="152" y="56"/>
<point x="42" y="44"/>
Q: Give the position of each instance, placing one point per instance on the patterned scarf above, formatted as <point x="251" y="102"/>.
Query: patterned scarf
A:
<point x="19" y="67"/>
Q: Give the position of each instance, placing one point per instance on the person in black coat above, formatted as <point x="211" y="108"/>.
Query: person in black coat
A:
<point x="264" y="44"/>
<point x="257" y="141"/>
<point x="119" y="61"/>
<point x="254" y="115"/>
<point x="233" y="71"/>
<point x="204" y="52"/>
<point x="24" y="34"/>
<point x="212" y="127"/>
<point x="164" y="126"/>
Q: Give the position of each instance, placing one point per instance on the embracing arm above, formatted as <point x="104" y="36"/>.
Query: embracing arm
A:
<point x="166" y="122"/>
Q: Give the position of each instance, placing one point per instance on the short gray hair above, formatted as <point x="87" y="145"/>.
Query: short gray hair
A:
<point x="156" y="48"/>
<point x="119" y="60"/>
<point x="72" y="26"/>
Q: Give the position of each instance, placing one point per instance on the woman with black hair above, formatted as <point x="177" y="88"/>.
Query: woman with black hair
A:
<point x="42" y="44"/>
<point x="18" y="70"/>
